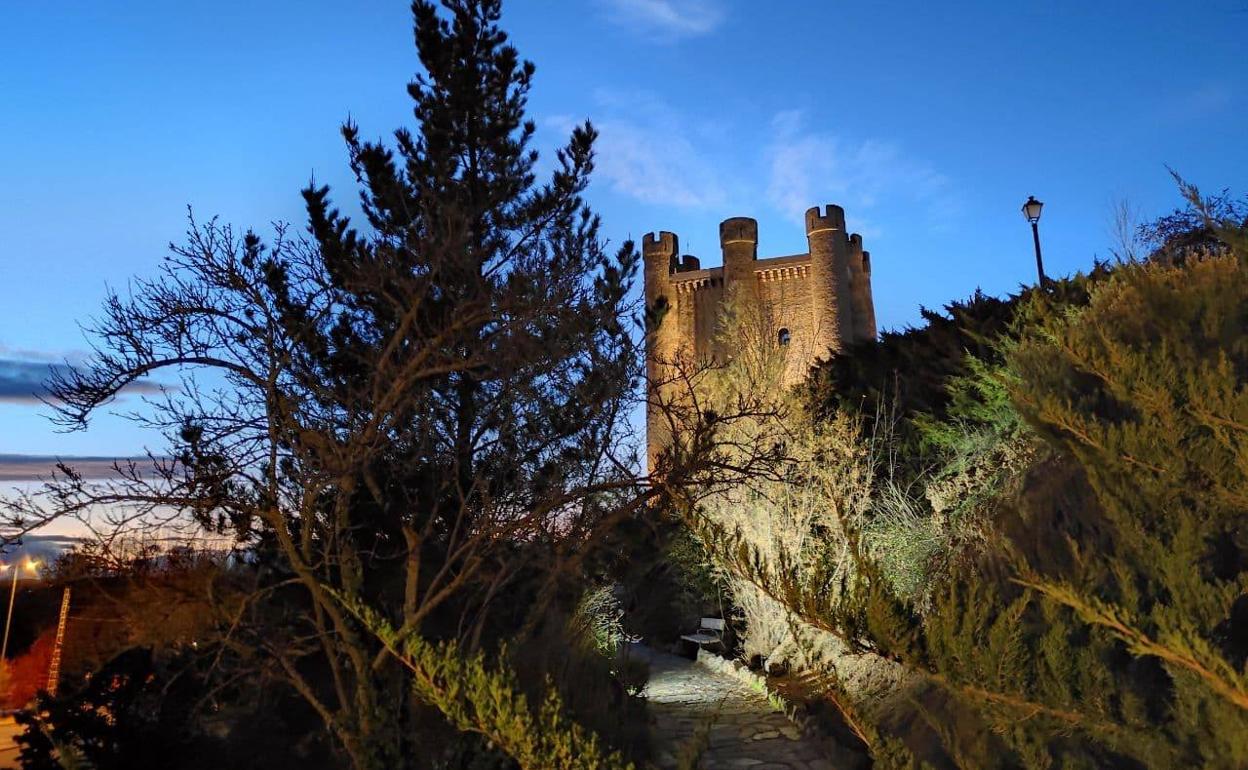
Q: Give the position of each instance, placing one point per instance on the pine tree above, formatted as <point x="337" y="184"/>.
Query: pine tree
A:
<point x="481" y="320"/>
<point x="423" y="418"/>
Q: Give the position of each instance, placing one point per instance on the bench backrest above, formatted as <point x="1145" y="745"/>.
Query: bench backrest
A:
<point x="713" y="624"/>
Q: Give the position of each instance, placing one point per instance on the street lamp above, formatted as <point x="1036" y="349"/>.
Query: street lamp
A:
<point x="1031" y="210"/>
<point x="31" y="565"/>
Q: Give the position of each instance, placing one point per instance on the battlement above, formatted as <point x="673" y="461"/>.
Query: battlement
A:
<point x="813" y="304"/>
<point x="738" y="230"/>
<point x="691" y="275"/>
<point x="817" y="221"/>
<point x="698" y="280"/>
<point x="660" y="244"/>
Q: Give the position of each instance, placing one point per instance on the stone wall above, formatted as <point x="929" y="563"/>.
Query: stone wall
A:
<point x="818" y="302"/>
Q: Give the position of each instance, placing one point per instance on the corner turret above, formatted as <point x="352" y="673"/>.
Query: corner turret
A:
<point x="861" y="302"/>
<point x="830" y="292"/>
<point x="659" y="252"/>
<point x="872" y="329"/>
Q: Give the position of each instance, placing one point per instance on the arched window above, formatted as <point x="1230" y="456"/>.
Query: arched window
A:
<point x="783" y="337"/>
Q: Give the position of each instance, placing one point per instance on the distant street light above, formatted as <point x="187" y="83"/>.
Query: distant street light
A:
<point x="1031" y="210"/>
<point x="31" y="565"/>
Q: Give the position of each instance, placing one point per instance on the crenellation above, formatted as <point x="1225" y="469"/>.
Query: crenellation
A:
<point x="821" y="300"/>
<point x="689" y="285"/>
<point x="781" y="272"/>
<point x="738" y="230"/>
<point x="661" y="241"/>
<point x="830" y="218"/>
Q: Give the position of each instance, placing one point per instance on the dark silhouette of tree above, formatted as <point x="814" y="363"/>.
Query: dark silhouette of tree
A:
<point x="416" y="429"/>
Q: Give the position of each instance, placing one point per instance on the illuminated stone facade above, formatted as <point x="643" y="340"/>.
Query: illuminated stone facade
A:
<point x="812" y="303"/>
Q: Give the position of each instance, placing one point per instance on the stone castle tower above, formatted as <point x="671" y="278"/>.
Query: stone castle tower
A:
<point x="814" y="303"/>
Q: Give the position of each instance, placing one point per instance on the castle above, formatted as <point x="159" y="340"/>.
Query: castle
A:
<point x="813" y="303"/>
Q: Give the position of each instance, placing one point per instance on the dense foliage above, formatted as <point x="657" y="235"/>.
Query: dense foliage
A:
<point x="1065" y="589"/>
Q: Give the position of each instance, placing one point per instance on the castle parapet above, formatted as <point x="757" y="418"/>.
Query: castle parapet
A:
<point x="813" y="304"/>
<point x="661" y="245"/>
<point x="830" y="218"/>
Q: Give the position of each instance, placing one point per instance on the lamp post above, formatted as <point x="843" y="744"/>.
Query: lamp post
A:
<point x="1031" y="210"/>
<point x="31" y="564"/>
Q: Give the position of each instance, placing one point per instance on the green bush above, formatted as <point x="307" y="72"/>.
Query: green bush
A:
<point x="1147" y="391"/>
<point x="1104" y="443"/>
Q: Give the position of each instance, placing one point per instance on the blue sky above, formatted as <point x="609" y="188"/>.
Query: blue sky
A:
<point x="930" y="123"/>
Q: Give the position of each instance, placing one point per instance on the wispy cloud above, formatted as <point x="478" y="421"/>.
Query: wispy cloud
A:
<point x="667" y="20"/>
<point x="806" y="167"/>
<point x="662" y="159"/>
<point x="23" y="380"/>
<point x="25" y="354"/>
<point x="19" y="467"/>
<point x="1209" y="99"/>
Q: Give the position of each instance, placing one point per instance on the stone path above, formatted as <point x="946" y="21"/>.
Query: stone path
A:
<point x="738" y="725"/>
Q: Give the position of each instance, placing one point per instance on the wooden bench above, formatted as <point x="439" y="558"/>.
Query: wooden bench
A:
<point x="711" y="631"/>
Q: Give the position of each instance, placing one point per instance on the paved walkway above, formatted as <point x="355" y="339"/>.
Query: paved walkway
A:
<point x="737" y="725"/>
